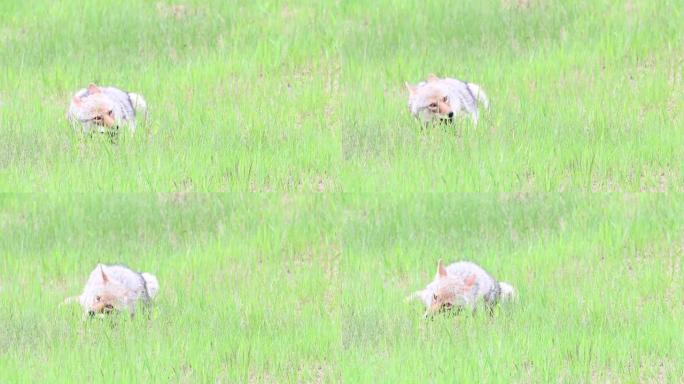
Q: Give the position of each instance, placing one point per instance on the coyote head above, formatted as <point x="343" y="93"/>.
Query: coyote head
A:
<point x="429" y="101"/>
<point x="108" y="297"/>
<point x="451" y="292"/>
<point x="95" y="109"/>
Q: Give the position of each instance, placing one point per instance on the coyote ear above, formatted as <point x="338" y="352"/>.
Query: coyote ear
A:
<point x="105" y="279"/>
<point x="411" y="88"/>
<point x="441" y="271"/>
<point x="469" y="282"/>
<point x="92" y="88"/>
<point x="432" y="78"/>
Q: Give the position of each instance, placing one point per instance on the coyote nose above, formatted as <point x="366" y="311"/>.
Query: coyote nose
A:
<point x="451" y="114"/>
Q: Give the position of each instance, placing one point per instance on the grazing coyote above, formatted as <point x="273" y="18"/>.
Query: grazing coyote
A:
<point x="113" y="288"/>
<point x="443" y="99"/>
<point x="462" y="285"/>
<point x="104" y="109"/>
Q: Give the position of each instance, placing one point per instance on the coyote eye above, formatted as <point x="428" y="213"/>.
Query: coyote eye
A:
<point x="97" y="118"/>
<point x="445" y="99"/>
<point x="433" y="105"/>
<point x="434" y="297"/>
<point x="98" y="298"/>
<point x="110" y="113"/>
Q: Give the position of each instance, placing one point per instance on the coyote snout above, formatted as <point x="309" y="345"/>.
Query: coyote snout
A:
<point x="439" y="106"/>
<point x="103" y="304"/>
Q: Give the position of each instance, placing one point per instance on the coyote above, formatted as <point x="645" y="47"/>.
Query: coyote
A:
<point x="443" y="99"/>
<point x="462" y="285"/>
<point x="112" y="288"/>
<point x="104" y="109"/>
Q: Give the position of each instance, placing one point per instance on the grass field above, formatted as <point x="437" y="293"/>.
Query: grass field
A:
<point x="337" y="204"/>
<point x="311" y="288"/>
<point x="301" y="96"/>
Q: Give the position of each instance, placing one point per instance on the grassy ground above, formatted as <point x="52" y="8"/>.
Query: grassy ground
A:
<point x="247" y="293"/>
<point x="601" y="298"/>
<point x="297" y="97"/>
<point x="311" y="288"/>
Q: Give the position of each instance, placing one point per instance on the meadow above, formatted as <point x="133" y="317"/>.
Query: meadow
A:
<point x="311" y="288"/>
<point x="288" y="203"/>
<point x="307" y="97"/>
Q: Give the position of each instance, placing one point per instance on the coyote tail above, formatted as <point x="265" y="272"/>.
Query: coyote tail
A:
<point x="151" y="283"/>
<point x="507" y="291"/>
<point x="479" y="94"/>
<point x="139" y="104"/>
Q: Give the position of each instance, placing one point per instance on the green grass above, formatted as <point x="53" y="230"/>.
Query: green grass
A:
<point x="299" y="96"/>
<point x="240" y="277"/>
<point x="274" y="102"/>
<point x="599" y="283"/>
<point x="311" y="288"/>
